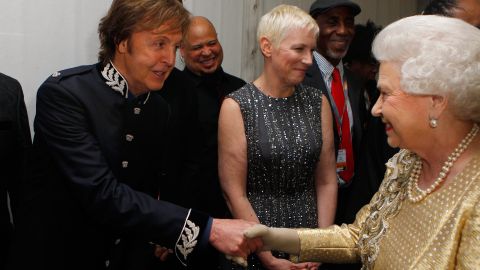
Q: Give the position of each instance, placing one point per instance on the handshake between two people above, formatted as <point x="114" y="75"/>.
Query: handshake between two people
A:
<point x="239" y="238"/>
<point x="254" y="237"/>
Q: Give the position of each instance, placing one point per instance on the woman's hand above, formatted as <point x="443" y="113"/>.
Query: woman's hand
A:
<point x="305" y="266"/>
<point x="272" y="263"/>
<point x="280" y="239"/>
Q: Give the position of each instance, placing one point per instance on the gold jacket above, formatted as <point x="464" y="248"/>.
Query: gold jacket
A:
<point x="441" y="231"/>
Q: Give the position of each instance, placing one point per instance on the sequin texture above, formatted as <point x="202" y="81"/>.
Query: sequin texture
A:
<point x="283" y="145"/>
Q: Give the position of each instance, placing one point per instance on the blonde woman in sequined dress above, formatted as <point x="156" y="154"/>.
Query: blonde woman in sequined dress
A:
<point x="276" y="153"/>
<point x="426" y="214"/>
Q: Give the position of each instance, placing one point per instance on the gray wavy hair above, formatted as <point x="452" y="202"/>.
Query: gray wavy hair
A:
<point x="436" y="55"/>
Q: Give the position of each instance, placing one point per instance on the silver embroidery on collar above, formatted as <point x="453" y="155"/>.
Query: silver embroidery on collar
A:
<point x="189" y="237"/>
<point x="146" y="99"/>
<point x="115" y="80"/>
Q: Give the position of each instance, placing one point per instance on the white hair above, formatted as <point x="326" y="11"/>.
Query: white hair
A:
<point x="436" y="55"/>
<point x="276" y="23"/>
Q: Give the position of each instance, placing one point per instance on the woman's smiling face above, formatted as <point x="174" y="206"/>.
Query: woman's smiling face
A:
<point x="405" y="115"/>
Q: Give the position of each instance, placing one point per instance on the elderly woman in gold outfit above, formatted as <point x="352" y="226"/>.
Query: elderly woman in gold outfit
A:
<point x="426" y="214"/>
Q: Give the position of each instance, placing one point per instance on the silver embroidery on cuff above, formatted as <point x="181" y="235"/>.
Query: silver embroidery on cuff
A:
<point x="189" y="237"/>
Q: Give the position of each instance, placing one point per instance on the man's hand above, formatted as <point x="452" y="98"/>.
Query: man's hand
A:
<point x="280" y="239"/>
<point x="227" y="236"/>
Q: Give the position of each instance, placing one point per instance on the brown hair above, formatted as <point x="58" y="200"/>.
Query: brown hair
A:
<point x="128" y="16"/>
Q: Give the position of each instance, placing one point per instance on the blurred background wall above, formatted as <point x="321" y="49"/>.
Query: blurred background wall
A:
<point x="39" y="37"/>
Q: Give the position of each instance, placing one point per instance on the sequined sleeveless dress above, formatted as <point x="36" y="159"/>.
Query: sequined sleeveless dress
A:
<point x="284" y="139"/>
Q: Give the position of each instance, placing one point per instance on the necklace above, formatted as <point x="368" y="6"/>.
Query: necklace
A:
<point x="269" y="95"/>
<point x="417" y="169"/>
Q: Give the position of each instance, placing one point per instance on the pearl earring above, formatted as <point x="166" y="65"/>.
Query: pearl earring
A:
<point x="433" y="123"/>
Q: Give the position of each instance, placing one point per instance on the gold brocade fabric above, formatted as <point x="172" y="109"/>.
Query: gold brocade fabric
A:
<point x="440" y="232"/>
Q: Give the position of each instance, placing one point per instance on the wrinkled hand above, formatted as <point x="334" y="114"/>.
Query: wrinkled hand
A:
<point x="227" y="237"/>
<point x="281" y="239"/>
<point x="305" y="266"/>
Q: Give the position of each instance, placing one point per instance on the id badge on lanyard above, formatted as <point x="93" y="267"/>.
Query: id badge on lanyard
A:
<point x="341" y="160"/>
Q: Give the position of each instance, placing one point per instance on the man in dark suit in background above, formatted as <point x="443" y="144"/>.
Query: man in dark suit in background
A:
<point x="194" y="96"/>
<point x="203" y="56"/>
<point x="93" y="199"/>
<point x="336" y="19"/>
<point x="337" y="28"/>
<point x="14" y="142"/>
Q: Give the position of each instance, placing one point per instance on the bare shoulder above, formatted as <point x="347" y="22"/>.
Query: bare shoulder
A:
<point x="230" y="106"/>
<point x="230" y="122"/>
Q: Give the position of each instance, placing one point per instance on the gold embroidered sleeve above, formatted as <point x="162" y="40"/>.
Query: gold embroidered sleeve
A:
<point x="468" y="256"/>
<point x="335" y="244"/>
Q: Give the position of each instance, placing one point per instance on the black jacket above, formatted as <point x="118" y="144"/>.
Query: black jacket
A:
<point x="314" y="78"/>
<point x="346" y="208"/>
<point x="15" y="141"/>
<point x="210" y="91"/>
<point x="92" y="201"/>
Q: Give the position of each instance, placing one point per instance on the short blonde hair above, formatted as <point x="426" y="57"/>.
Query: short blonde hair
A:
<point x="276" y="23"/>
